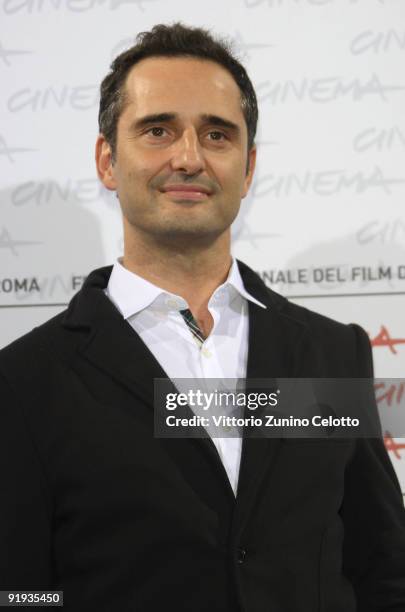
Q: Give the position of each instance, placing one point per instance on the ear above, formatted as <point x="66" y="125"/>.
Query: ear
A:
<point x="250" y="172"/>
<point x="104" y="164"/>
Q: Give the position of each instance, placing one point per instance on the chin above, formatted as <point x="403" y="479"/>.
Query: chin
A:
<point x="190" y="231"/>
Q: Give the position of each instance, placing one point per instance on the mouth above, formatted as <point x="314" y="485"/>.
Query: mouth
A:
<point x="186" y="192"/>
<point x="195" y="196"/>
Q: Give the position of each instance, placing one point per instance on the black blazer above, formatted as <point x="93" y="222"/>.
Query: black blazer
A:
<point x="94" y="505"/>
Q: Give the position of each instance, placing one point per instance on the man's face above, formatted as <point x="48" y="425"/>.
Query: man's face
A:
<point x="181" y="155"/>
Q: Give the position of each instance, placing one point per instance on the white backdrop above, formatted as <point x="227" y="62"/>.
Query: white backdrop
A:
<point x="324" y="223"/>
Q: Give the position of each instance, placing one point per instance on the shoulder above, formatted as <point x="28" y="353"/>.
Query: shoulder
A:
<point x="321" y="326"/>
<point x="58" y="338"/>
<point x="31" y="352"/>
<point x="341" y="347"/>
<point x="337" y="342"/>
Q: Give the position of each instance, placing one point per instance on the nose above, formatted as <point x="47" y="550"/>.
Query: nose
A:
<point x="187" y="153"/>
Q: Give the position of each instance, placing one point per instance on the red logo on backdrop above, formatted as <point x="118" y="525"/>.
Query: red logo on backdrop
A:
<point x="392" y="446"/>
<point x="390" y="394"/>
<point x="383" y="338"/>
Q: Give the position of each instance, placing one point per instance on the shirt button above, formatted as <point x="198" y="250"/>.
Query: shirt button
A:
<point x="219" y="298"/>
<point x="172" y="303"/>
<point x="241" y="555"/>
<point x="206" y="353"/>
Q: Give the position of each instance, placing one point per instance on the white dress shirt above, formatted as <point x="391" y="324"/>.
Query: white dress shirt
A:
<point x="154" y="315"/>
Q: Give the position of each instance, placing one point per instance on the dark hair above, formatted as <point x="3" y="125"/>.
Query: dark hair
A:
<point x="171" y="41"/>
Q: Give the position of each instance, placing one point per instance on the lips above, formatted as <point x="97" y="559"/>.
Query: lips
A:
<point x="187" y="192"/>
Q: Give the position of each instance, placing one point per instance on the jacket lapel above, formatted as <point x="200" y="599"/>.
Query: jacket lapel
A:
<point x="275" y="343"/>
<point x="110" y="343"/>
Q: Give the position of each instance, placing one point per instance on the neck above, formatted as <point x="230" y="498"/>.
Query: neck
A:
<point x="192" y="269"/>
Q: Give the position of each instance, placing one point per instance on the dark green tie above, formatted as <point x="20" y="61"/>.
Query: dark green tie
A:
<point x="192" y="325"/>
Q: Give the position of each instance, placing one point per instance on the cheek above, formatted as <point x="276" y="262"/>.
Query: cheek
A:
<point x="138" y="177"/>
<point x="151" y="171"/>
<point x="234" y="182"/>
<point x="232" y="169"/>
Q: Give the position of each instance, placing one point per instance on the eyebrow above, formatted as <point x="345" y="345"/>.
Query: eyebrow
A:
<point x="164" y="117"/>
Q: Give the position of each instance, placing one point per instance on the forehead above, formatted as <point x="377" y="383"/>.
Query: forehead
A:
<point x="182" y="85"/>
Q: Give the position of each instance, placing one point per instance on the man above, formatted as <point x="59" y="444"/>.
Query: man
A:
<point x="93" y="503"/>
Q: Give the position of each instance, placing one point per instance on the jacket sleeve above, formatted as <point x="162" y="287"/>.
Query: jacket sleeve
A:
<point x="374" y="517"/>
<point x="25" y="509"/>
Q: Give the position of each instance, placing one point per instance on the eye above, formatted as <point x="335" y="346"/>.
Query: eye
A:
<point x="156" y="131"/>
<point x="217" y="135"/>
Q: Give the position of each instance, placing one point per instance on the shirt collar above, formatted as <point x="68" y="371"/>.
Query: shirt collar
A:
<point x="131" y="293"/>
<point x="235" y="279"/>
